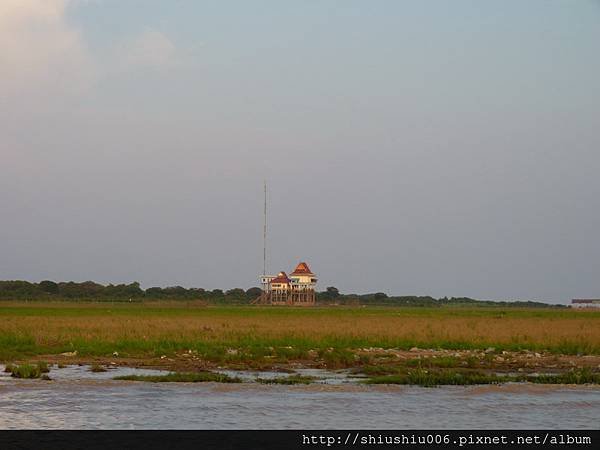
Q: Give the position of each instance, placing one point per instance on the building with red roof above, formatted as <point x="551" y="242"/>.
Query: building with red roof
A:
<point x="302" y="269"/>
<point x="281" y="281"/>
<point x="297" y="289"/>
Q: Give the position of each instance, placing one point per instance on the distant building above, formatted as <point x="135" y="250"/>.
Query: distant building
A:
<point x="585" y="303"/>
<point x="297" y="289"/>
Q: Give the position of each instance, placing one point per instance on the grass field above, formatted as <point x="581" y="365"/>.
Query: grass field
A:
<point x="268" y="335"/>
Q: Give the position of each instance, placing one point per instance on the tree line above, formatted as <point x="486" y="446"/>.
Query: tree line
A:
<point x="90" y="290"/>
<point x="332" y="296"/>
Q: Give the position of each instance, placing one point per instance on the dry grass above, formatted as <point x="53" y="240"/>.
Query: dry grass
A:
<point x="136" y="330"/>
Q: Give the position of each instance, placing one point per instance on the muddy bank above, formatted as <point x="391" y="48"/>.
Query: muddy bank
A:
<point x="369" y="359"/>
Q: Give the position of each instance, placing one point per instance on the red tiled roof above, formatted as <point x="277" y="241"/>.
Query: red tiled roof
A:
<point x="281" y="278"/>
<point x="302" y="269"/>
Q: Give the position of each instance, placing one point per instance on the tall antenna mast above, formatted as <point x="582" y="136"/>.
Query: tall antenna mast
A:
<point x="265" y="234"/>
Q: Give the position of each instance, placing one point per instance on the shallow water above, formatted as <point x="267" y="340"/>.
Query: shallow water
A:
<point x="78" y="398"/>
<point x="321" y="376"/>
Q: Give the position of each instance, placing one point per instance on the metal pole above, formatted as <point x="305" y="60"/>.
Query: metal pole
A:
<point x="265" y="234"/>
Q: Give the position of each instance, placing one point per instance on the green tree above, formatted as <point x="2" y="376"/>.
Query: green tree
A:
<point x="154" y="292"/>
<point x="253" y="293"/>
<point x="49" y="287"/>
<point x="236" y="292"/>
<point x="175" y="291"/>
<point x="332" y="292"/>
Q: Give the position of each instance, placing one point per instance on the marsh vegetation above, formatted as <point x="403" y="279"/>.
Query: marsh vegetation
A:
<point x="476" y="343"/>
<point x="175" y="377"/>
<point x="292" y="379"/>
<point x="426" y="378"/>
<point x="37" y="370"/>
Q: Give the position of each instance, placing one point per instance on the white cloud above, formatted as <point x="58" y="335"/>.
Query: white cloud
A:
<point x="15" y="9"/>
<point x="42" y="54"/>
<point x="149" y="49"/>
<point x="39" y="50"/>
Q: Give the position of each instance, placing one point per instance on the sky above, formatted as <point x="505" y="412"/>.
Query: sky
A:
<point x="411" y="147"/>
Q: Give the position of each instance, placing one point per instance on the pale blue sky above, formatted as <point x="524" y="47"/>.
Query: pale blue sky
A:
<point x="412" y="147"/>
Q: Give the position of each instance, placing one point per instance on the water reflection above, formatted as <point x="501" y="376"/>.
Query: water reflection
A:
<point x="79" y="398"/>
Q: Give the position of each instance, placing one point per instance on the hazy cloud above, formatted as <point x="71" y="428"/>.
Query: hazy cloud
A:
<point x="149" y="49"/>
<point x="39" y="51"/>
<point x="42" y="54"/>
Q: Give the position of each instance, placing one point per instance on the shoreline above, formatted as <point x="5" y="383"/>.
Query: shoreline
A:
<point x="381" y="361"/>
